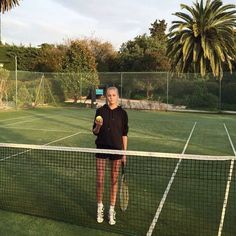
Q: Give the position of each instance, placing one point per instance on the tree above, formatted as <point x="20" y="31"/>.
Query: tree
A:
<point x="4" y="74"/>
<point x="103" y="52"/>
<point x="50" y="58"/>
<point x="26" y="57"/>
<point x="80" y="66"/>
<point x="6" y="5"/>
<point x="202" y="41"/>
<point x="78" y="58"/>
<point x="234" y="63"/>
<point x="157" y="30"/>
<point x="144" y="53"/>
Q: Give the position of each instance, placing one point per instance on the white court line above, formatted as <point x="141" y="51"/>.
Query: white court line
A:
<point x="161" y="204"/>
<point x="47" y="130"/>
<point x="57" y="140"/>
<point x="227" y="185"/>
<point x="24" y="121"/>
<point x="16" y="118"/>
<point x="152" y="137"/>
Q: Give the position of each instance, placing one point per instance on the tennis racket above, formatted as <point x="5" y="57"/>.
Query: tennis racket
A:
<point x="124" y="191"/>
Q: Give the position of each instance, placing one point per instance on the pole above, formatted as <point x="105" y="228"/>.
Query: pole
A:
<point x="16" y="79"/>
<point x="43" y="89"/>
<point x="0" y="27"/>
<point x="219" y="94"/>
<point x="121" y="86"/>
<point x="81" y="88"/>
<point x="167" y="90"/>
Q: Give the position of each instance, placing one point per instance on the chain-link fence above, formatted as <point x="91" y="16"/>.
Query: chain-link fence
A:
<point x="168" y="91"/>
<point x="138" y="90"/>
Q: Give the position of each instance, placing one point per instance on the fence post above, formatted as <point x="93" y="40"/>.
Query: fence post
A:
<point x="93" y="97"/>
<point x="167" y="90"/>
<point x="81" y="88"/>
<point x="43" y="77"/>
<point x="220" y="95"/>
<point x="16" y="80"/>
<point x="121" y="86"/>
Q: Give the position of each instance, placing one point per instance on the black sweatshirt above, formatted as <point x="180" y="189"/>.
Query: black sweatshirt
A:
<point x="115" y="125"/>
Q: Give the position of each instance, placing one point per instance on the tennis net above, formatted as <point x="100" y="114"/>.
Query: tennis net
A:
<point x="169" y="194"/>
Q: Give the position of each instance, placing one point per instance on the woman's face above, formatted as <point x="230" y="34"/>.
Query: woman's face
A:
<point x="112" y="97"/>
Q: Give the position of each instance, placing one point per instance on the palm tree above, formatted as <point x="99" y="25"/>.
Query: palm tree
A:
<point x="203" y="41"/>
<point x="6" y="5"/>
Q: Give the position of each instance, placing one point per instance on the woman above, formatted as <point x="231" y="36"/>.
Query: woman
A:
<point x="111" y="130"/>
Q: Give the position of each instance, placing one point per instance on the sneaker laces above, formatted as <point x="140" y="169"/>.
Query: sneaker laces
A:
<point x="100" y="211"/>
<point x="112" y="215"/>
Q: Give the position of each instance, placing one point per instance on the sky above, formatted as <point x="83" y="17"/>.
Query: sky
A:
<point x="55" y="21"/>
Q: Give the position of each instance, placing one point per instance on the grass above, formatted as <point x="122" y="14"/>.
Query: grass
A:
<point x="57" y="188"/>
<point x="21" y="225"/>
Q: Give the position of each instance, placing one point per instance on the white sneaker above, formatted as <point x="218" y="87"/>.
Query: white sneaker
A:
<point x="112" y="217"/>
<point x="100" y="214"/>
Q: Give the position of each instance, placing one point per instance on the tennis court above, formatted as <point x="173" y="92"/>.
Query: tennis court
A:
<point x="169" y="194"/>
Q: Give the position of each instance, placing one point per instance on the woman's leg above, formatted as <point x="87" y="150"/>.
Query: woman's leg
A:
<point x="115" y="165"/>
<point x="100" y="171"/>
<point x="100" y="168"/>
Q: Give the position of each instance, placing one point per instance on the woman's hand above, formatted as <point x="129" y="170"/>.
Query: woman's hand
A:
<point x="124" y="160"/>
<point x="99" y="122"/>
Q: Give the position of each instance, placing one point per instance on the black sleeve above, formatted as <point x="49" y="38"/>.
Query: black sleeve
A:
<point x="125" y="124"/>
<point x="94" y="124"/>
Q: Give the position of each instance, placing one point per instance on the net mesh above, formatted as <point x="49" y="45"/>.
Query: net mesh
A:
<point x="169" y="194"/>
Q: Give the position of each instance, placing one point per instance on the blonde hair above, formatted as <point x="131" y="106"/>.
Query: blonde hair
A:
<point x="117" y="92"/>
<point x="112" y="88"/>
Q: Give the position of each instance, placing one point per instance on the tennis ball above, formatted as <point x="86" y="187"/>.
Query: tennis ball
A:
<point x="99" y="119"/>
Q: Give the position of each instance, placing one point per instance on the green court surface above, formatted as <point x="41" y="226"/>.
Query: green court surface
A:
<point x="22" y="224"/>
<point x="195" y="199"/>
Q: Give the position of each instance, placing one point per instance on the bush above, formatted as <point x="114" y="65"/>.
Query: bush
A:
<point x="201" y="98"/>
<point x="194" y="93"/>
<point x="57" y="90"/>
<point x="229" y="93"/>
<point x="138" y="94"/>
